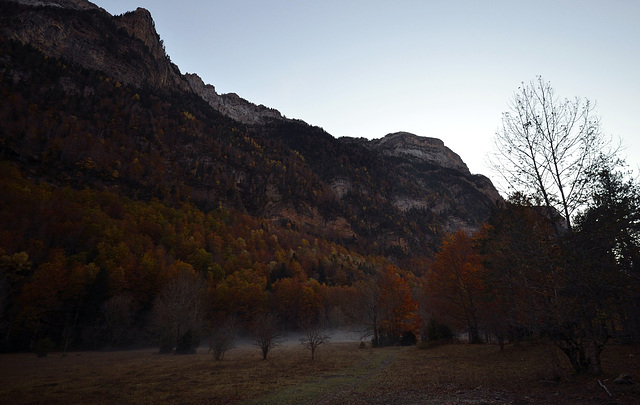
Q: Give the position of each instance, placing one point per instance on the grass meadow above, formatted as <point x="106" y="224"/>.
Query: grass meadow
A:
<point x="342" y="373"/>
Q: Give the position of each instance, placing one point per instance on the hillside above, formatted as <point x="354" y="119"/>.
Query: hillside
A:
<point x="118" y="167"/>
<point x="404" y="191"/>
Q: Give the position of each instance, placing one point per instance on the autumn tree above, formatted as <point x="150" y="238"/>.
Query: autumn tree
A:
<point x="400" y="320"/>
<point x="298" y="301"/>
<point x="13" y="269"/>
<point x="454" y="283"/>
<point x="546" y="147"/>
<point x="53" y="297"/>
<point x="384" y="307"/>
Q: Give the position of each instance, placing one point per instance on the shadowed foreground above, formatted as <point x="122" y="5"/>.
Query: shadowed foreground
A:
<point x="342" y="373"/>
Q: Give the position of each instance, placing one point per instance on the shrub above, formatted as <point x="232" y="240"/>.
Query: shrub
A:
<point x="166" y="345"/>
<point x="408" y="338"/>
<point x="439" y="332"/>
<point x="188" y="343"/>
<point x="223" y="339"/>
<point x="43" y="347"/>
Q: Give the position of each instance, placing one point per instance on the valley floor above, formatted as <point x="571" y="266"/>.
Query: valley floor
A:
<point x="343" y="373"/>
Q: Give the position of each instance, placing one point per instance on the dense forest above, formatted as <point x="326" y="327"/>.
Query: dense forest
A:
<point x="70" y="255"/>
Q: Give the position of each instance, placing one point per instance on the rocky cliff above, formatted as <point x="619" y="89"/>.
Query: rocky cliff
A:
<point x="232" y="105"/>
<point x="420" y="149"/>
<point x="126" y="47"/>
<point x="107" y="47"/>
<point x="413" y="148"/>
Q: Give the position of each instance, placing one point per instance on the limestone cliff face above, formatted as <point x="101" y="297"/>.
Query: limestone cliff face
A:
<point x="231" y="104"/>
<point x="82" y="33"/>
<point x="438" y="181"/>
<point x="420" y="149"/>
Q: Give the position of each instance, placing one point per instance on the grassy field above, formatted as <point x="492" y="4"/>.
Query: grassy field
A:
<point x="342" y="373"/>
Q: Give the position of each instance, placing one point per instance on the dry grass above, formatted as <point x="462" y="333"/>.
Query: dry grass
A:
<point x="342" y="373"/>
<point x="144" y="377"/>
<point x="536" y="374"/>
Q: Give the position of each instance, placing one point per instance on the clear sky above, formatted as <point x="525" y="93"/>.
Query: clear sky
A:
<point x="443" y="69"/>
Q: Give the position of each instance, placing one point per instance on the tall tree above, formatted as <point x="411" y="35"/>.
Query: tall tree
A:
<point x="384" y="307"/>
<point x="399" y="309"/>
<point x="523" y="270"/>
<point x="454" y="283"/>
<point x="547" y="146"/>
<point x="576" y="289"/>
<point x="13" y="269"/>
<point x="605" y="269"/>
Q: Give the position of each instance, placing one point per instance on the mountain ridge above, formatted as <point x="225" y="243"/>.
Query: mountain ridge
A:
<point x="396" y="194"/>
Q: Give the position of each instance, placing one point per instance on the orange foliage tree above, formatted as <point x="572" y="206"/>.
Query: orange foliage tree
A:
<point x="299" y="301"/>
<point x="385" y="308"/>
<point x="399" y="309"/>
<point x="454" y="284"/>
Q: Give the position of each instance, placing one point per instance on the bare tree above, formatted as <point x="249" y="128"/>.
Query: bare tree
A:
<point x="364" y="309"/>
<point x="266" y="332"/>
<point x="314" y="337"/>
<point x="178" y="309"/>
<point x="547" y="146"/>
<point x="223" y="338"/>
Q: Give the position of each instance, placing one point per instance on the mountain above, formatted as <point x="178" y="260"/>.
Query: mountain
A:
<point x="93" y="100"/>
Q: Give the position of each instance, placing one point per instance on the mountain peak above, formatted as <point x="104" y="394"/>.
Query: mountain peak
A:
<point x="419" y="148"/>
<point x="80" y="37"/>
<point x="140" y="24"/>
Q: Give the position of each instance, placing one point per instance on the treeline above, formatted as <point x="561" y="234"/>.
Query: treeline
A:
<point x="87" y="268"/>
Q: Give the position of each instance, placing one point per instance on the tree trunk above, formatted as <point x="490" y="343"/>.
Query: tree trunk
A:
<point x="575" y="352"/>
<point x="595" y="366"/>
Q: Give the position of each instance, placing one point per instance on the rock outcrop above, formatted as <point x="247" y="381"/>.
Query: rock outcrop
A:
<point x="82" y="33"/>
<point x="109" y="49"/>
<point x="419" y="149"/>
<point x="442" y="182"/>
<point x="231" y="104"/>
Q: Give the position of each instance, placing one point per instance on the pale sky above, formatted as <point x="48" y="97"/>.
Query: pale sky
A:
<point x="443" y="69"/>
